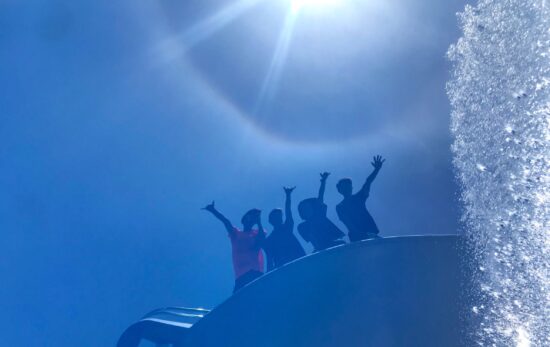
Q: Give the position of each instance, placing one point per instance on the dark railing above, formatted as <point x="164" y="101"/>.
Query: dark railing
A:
<point x="163" y="326"/>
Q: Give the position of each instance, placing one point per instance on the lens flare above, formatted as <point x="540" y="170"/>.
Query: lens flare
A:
<point x="299" y="4"/>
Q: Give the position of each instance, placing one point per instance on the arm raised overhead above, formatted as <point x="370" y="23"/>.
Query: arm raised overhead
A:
<point x="212" y="209"/>
<point x="377" y="163"/>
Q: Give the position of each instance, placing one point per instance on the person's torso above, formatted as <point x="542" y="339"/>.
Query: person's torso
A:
<point x="246" y="252"/>
<point x="283" y="246"/>
<point x="322" y="233"/>
<point x="355" y="216"/>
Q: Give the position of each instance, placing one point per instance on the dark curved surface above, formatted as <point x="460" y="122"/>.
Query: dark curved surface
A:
<point x="401" y="291"/>
<point x="167" y="325"/>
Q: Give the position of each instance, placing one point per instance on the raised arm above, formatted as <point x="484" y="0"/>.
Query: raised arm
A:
<point x="289" y="221"/>
<point x="377" y="162"/>
<point x="324" y="177"/>
<point x="261" y="232"/>
<point x="212" y="209"/>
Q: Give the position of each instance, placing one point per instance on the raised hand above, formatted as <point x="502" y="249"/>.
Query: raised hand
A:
<point x="324" y="176"/>
<point x="377" y="162"/>
<point x="289" y="190"/>
<point x="210" y="207"/>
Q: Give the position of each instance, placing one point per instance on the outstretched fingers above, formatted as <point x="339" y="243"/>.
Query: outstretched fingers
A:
<point x="289" y="190"/>
<point x="209" y="206"/>
<point x="377" y="161"/>
<point x="324" y="175"/>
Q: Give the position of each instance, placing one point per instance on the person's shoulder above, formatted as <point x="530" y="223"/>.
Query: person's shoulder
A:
<point x="358" y="197"/>
<point x="234" y="232"/>
<point x="287" y="227"/>
<point x="267" y="242"/>
<point x="257" y="232"/>
<point x="303" y="230"/>
<point x="303" y="227"/>
<point x="344" y="204"/>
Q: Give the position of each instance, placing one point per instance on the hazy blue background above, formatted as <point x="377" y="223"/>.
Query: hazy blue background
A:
<point x="113" y="134"/>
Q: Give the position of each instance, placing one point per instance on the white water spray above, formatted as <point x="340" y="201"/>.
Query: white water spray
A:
<point x="500" y="95"/>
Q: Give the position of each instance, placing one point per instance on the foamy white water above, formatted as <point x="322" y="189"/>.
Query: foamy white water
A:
<point x="500" y="96"/>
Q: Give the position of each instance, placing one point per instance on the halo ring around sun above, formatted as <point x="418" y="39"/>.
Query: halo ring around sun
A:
<point x="361" y="106"/>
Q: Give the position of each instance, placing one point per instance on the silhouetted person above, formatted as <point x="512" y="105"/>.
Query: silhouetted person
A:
<point x="248" y="259"/>
<point x="317" y="228"/>
<point x="281" y="246"/>
<point x="352" y="210"/>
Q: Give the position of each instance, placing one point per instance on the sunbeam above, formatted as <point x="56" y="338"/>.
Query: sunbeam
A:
<point x="177" y="45"/>
<point x="297" y="5"/>
<point x="271" y="81"/>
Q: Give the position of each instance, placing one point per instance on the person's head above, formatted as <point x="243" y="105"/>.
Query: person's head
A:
<point x="276" y="217"/>
<point x="345" y="187"/>
<point x="250" y="218"/>
<point x="310" y="208"/>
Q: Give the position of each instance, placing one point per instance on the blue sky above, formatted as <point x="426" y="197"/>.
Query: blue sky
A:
<point x="119" y="120"/>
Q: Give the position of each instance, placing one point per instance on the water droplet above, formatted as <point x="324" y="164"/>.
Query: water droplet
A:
<point x="522" y="338"/>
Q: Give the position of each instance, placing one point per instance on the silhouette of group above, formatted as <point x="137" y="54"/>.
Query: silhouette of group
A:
<point x="281" y="246"/>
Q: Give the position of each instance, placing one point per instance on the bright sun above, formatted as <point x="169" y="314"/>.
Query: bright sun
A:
<point x="299" y="4"/>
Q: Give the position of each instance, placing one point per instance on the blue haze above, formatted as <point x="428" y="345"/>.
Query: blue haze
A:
<point x="107" y="150"/>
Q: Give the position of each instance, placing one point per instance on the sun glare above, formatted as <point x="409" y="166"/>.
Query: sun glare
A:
<point x="299" y="4"/>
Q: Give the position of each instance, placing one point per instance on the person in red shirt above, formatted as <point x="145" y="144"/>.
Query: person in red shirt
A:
<point x="246" y="244"/>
